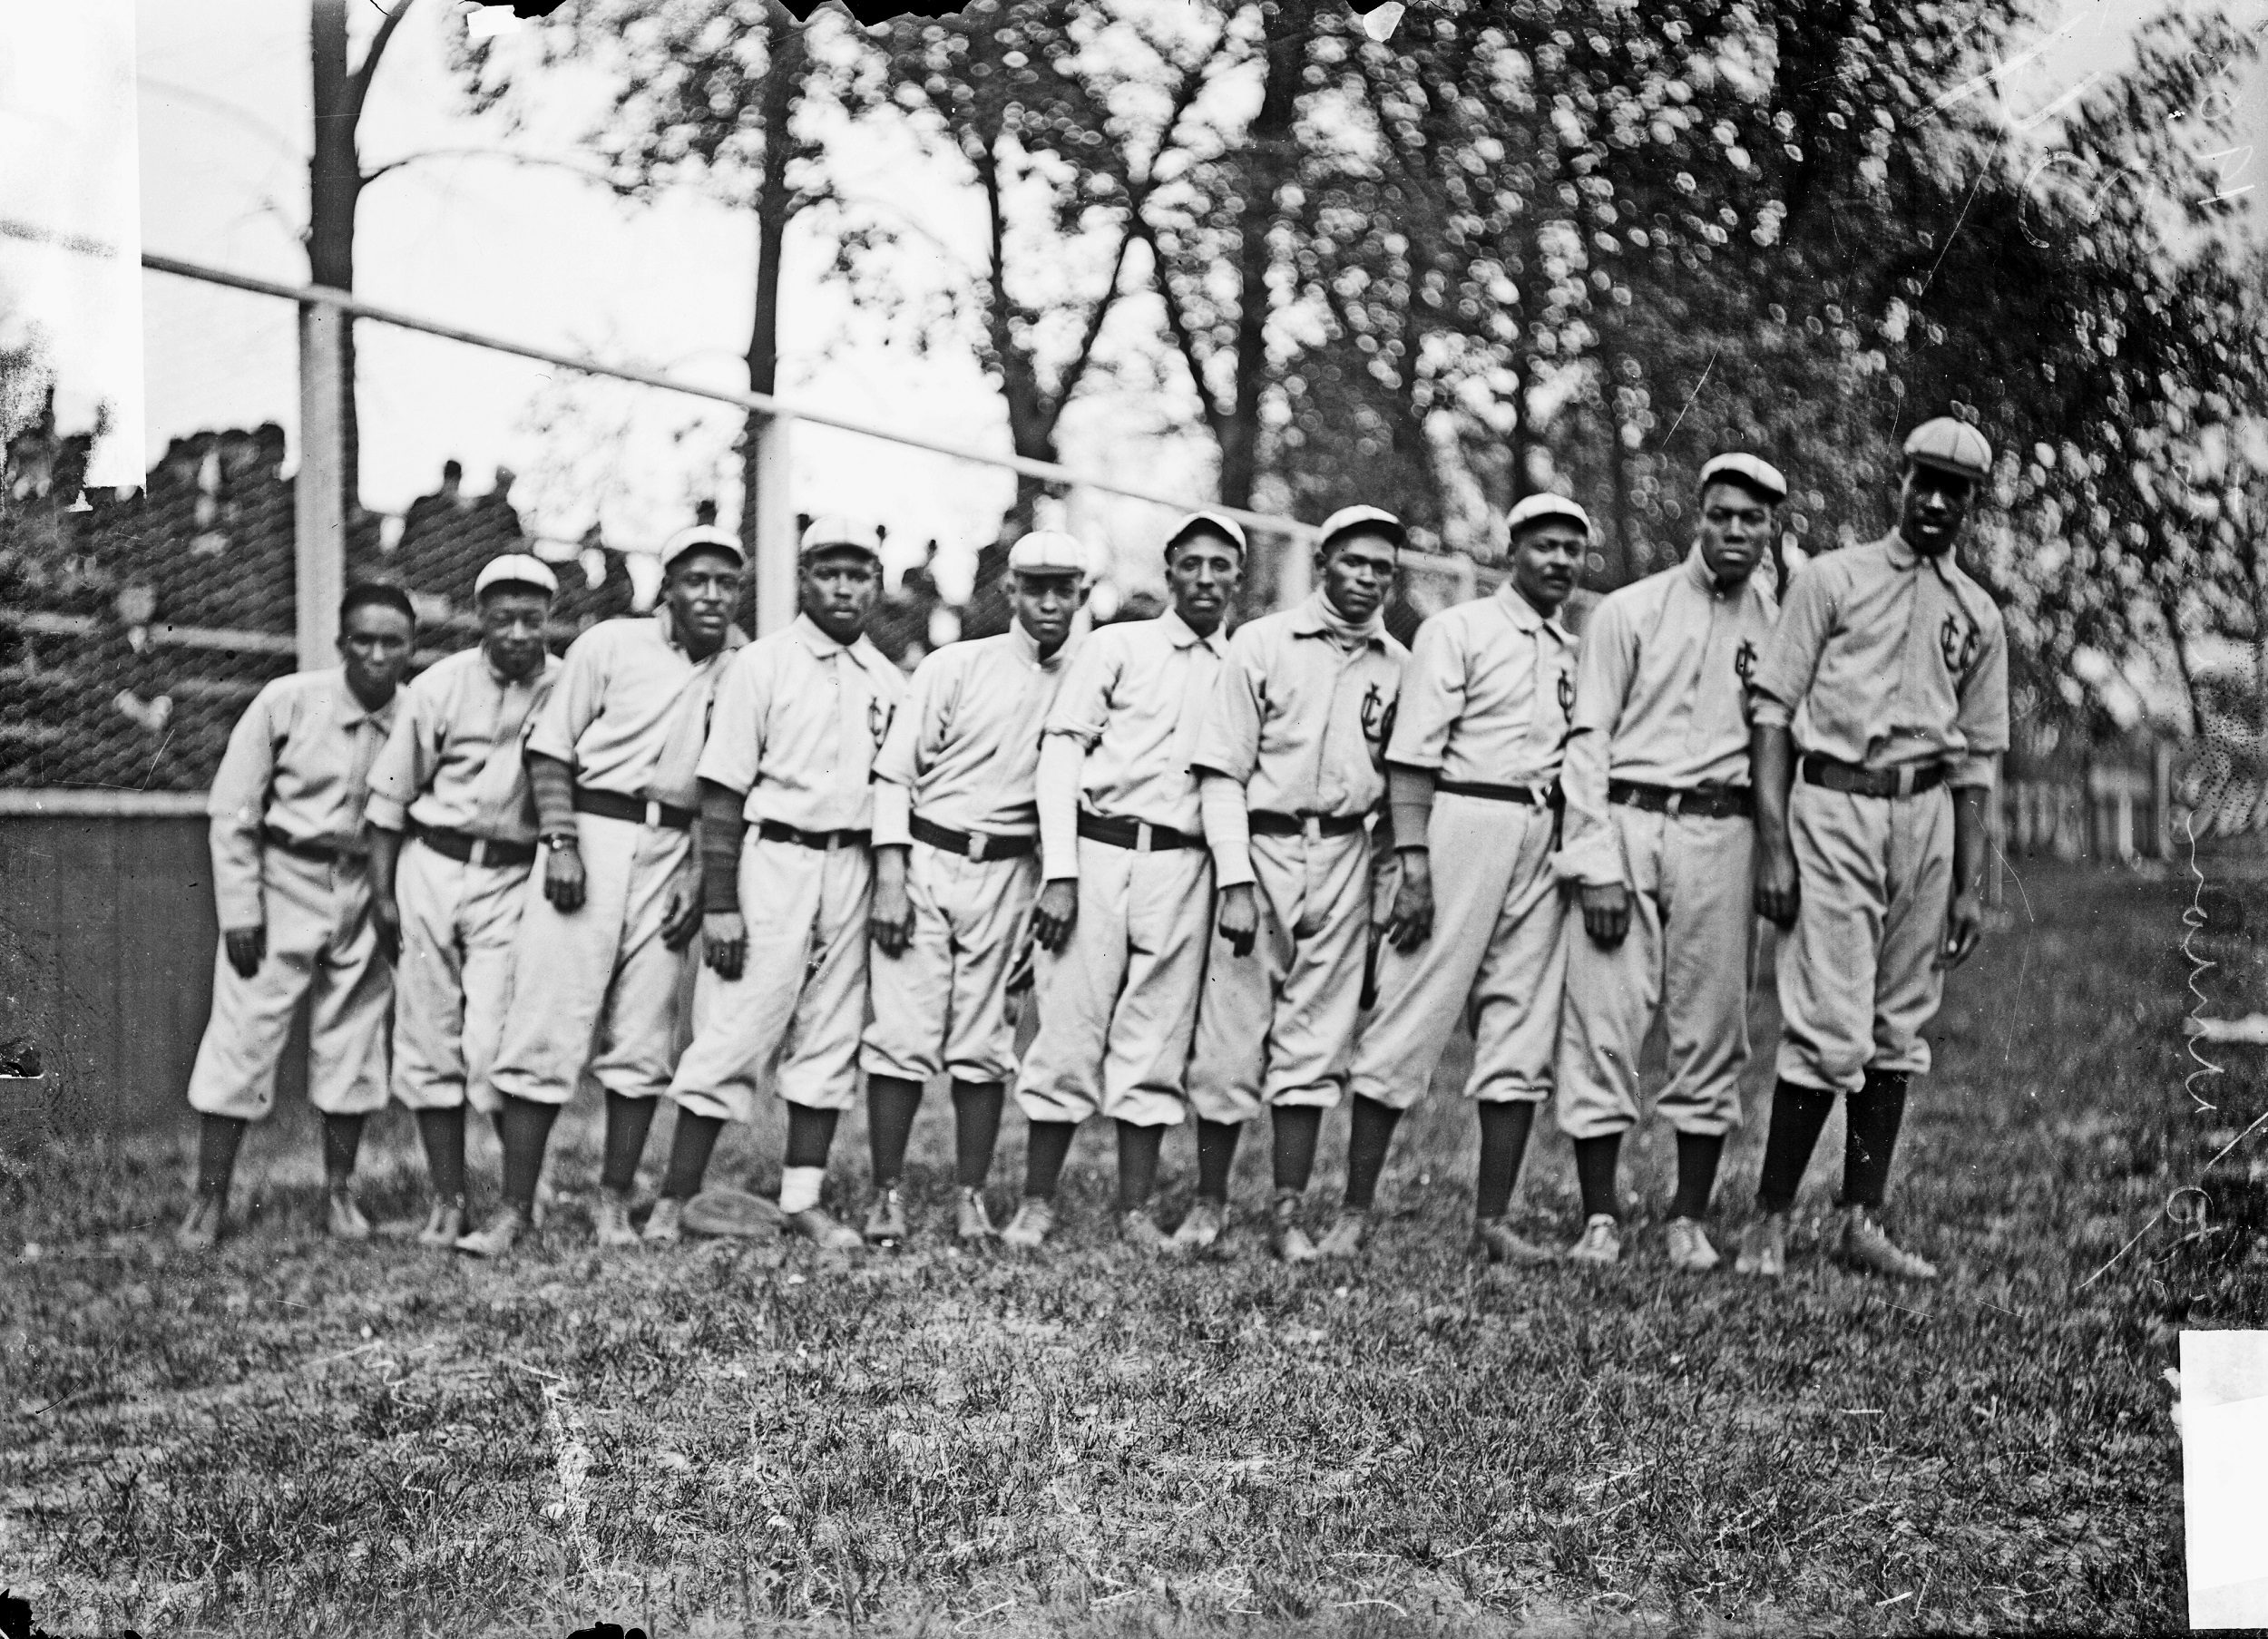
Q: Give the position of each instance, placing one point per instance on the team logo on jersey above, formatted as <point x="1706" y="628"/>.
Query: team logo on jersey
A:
<point x="878" y="718"/>
<point x="1956" y="641"/>
<point x="1567" y="695"/>
<point x="1745" y="660"/>
<point x="1378" y="716"/>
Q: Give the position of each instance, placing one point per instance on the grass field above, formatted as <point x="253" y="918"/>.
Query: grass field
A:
<point x="286" y="1436"/>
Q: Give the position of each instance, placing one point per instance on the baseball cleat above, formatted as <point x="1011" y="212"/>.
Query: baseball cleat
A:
<point x="201" y="1229"/>
<point x="1285" y="1237"/>
<point x="1690" y="1247"/>
<point x="499" y="1235"/>
<point x="1346" y="1234"/>
<point x="1495" y="1240"/>
<point x="885" y="1219"/>
<point x="1207" y="1222"/>
<point x="346" y="1222"/>
<point x="972" y="1221"/>
<point x="1035" y="1216"/>
<point x="610" y="1218"/>
<point x="1600" y="1242"/>
<point x="444" y="1224"/>
<point x="1764" y="1249"/>
<point x="665" y="1225"/>
<point x="1864" y="1244"/>
<point x="1138" y="1230"/>
<point x="819" y="1227"/>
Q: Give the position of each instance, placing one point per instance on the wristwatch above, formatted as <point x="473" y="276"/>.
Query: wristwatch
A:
<point x="556" y="840"/>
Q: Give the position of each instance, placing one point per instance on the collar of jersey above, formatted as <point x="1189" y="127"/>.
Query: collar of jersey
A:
<point x="1524" y="614"/>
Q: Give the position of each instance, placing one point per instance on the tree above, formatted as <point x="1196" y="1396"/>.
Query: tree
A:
<point x="336" y="181"/>
<point x="702" y="93"/>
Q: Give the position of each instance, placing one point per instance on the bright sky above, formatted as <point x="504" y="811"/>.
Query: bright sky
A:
<point x="540" y="255"/>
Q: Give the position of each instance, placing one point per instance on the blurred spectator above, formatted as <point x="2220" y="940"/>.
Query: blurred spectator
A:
<point x="901" y="625"/>
<point x="987" y="611"/>
<point x="593" y="586"/>
<point x="446" y="536"/>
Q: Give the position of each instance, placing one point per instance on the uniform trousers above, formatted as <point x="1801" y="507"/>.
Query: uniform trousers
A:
<point x="595" y="986"/>
<point x="942" y="1003"/>
<point x="795" y="1012"/>
<point x="321" y="944"/>
<point x="1690" y="955"/>
<point x="1117" y="1004"/>
<point x="459" y="923"/>
<point x="1495" y="958"/>
<point x="1276" y="1024"/>
<point x="1858" y="980"/>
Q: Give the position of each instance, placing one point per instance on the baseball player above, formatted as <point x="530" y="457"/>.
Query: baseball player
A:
<point x="1658" y="839"/>
<point x="291" y="882"/>
<point x="787" y="818"/>
<point x="956" y="868"/>
<point x="1887" y="674"/>
<point x="452" y="842"/>
<point x="1290" y="765"/>
<point x="1471" y="771"/>
<point x="601" y="951"/>
<point x="1121" y="921"/>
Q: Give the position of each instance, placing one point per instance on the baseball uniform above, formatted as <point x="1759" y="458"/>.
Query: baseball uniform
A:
<point x="1656" y="799"/>
<point x="1117" y="1004"/>
<point x="452" y="776"/>
<point x="1299" y="717"/>
<point x="288" y="853"/>
<point x="1883" y="662"/>
<point x="1486" y="700"/>
<point x="627" y="714"/>
<point x="798" y="720"/>
<point x="953" y="785"/>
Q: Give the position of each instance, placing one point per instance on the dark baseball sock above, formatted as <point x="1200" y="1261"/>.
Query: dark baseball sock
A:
<point x="892" y="1103"/>
<point x="691" y="1143"/>
<point x="342" y="1142"/>
<point x="1137" y="1164"/>
<point x="1697" y="1156"/>
<point x="527" y="1130"/>
<point x="628" y="1121"/>
<point x="1047" y="1146"/>
<point x="1297" y="1126"/>
<point x="1872" y="1117"/>
<point x="1504" y="1126"/>
<point x="1369" y="1136"/>
<point x="1594" y="1162"/>
<point x="1216" y="1157"/>
<point x="1798" y="1113"/>
<point x="219" y="1138"/>
<point x="810" y="1135"/>
<point x="442" y="1132"/>
<point x="976" y="1112"/>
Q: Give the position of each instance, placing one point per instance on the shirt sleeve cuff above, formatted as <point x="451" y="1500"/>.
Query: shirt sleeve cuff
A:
<point x="893" y="814"/>
<point x="1591" y="860"/>
<point x="387" y="813"/>
<point x="1765" y="712"/>
<point x="1227" y="830"/>
<point x="1984" y="771"/>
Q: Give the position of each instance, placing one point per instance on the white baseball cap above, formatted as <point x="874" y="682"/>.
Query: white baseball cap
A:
<point x="1048" y="552"/>
<point x="516" y="569"/>
<point x="1348" y="519"/>
<point x="699" y="535"/>
<point x="1205" y="518"/>
<point x="832" y="532"/>
<point x="1757" y="473"/>
<point x="1537" y="507"/>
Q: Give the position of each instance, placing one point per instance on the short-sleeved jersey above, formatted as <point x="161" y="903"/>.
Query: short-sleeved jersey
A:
<point x="1488" y="694"/>
<point x="452" y="762"/>
<point x="629" y="709"/>
<point x="1132" y="699"/>
<point x="1890" y="658"/>
<point x="965" y="747"/>
<point x="798" y="722"/>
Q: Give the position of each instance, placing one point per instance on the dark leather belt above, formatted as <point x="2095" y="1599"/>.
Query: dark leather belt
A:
<point x="321" y="853"/>
<point x="1295" y="824"/>
<point x="1703" y="801"/>
<point x="1909" y="779"/>
<point x="1135" y="835"/>
<point x="971" y="844"/>
<point x="638" y="811"/>
<point x="825" y="842"/>
<point x="1534" y="796"/>
<point x="469" y="850"/>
